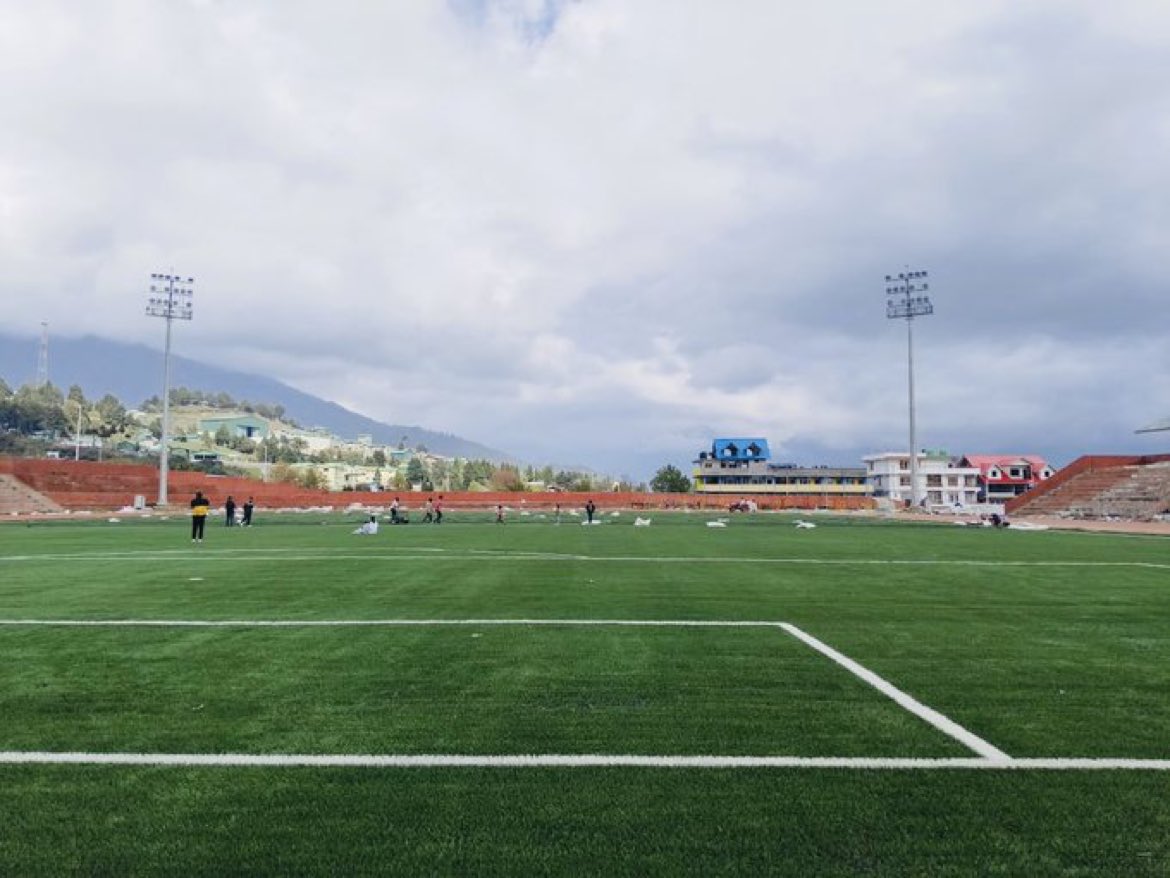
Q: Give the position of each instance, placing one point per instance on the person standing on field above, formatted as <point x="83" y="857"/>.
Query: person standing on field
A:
<point x="590" y="508"/>
<point x="439" y="510"/>
<point x="200" y="506"/>
<point x="248" y="507"/>
<point x="229" y="512"/>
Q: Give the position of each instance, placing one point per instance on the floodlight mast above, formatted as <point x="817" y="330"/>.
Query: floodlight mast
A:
<point x="906" y="300"/>
<point x="170" y="298"/>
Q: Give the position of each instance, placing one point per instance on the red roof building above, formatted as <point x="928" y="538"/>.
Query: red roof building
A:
<point x="1003" y="476"/>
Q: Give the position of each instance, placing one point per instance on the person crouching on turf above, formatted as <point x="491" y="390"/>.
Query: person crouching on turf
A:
<point x="369" y="528"/>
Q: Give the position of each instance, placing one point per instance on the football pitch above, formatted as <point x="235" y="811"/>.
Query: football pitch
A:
<point x="532" y="698"/>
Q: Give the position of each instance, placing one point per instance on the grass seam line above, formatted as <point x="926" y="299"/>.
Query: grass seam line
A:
<point x="941" y="722"/>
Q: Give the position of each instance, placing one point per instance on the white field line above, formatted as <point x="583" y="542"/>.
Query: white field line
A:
<point x="572" y="760"/>
<point x="933" y="717"/>
<point x="185" y="556"/>
<point x="991" y="757"/>
<point x="939" y="721"/>
<point x="357" y="623"/>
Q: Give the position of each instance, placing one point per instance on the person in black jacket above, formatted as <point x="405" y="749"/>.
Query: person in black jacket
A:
<point x="200" y="506"/>
<point x="229" y="512"/>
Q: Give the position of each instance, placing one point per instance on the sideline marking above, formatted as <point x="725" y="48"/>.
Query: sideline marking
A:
<point x="572" y="760"/>
<point x="340" y="623"/>
<point x="990" y="756"/>
<point x="943" y="723"/>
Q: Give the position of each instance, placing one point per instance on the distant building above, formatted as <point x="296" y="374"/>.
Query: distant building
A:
<point x="238" y="426"/>
<point x="316" y="441"/>
<point x="741" y="467"/>
<point x="346" y="477"/>
<point x="1003" y="476"/>
<point x="942" y="481"/>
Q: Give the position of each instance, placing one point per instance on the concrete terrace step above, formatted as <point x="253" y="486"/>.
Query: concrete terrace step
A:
<point x="16" y="496"/>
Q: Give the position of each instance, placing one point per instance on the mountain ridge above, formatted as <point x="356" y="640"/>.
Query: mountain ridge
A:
<point x="131" y="373"/>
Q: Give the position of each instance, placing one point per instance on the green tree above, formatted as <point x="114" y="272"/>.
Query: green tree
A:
<point x="440" y="471"/>
<point x="223" y="435"/>
<point x="112" y="417"/>
<point x="670" y="480"/>
<point x="416" y="474"/>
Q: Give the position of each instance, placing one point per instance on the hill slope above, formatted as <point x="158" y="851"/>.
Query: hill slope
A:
<point x="133" y="373"/>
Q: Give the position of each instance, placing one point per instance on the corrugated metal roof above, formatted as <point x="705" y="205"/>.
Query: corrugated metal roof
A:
<point x="1156" y="427"/>
<point x="744" y="448"/>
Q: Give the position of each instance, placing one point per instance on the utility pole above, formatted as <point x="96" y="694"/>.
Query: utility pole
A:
<point x="170" y="298"/>
<point x="907" y="299"/>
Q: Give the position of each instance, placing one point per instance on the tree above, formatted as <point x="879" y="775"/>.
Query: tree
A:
<point x="112" y="415"/>
<point x="311" y="479"/>
<point x="670" y="480"/>
<point x="507" y="478"/>
<point x="416" y="474"/>
<point x="282" y="472"/>
<point x="441" y="474"/>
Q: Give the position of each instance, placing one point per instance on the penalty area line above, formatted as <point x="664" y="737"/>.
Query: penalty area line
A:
<point x="944" y="724"/>
<point x="376" y="623"/>
<point x="583" y="760"/>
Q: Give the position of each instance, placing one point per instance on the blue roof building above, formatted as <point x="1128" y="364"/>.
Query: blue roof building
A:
<point x="741" y="466"/>
<point x="739" y="450"/>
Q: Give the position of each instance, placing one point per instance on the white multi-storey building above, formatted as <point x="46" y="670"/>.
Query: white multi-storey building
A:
<point x="941" y="481"/>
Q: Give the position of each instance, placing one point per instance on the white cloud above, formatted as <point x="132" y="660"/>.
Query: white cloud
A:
<point x="532" y="222"/>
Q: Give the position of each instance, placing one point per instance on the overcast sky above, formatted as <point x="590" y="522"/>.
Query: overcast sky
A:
<point x="605" y="232"/>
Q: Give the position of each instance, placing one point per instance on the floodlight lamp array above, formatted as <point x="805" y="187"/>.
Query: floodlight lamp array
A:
<point x="171" y="297"/>
<point x="909" y="307"/>
<point x="909" y="287"/>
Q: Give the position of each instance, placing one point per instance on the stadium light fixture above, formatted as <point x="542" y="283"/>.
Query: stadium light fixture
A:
<point x="906" y="299"/>
<point x="170" y="298"/>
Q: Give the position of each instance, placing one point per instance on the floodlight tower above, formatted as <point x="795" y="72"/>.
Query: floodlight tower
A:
<point x="170" y="298"/>
<point x="907" y="299"/>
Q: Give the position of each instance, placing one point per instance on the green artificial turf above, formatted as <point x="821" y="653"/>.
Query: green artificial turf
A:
<point x="1044" y="644"/>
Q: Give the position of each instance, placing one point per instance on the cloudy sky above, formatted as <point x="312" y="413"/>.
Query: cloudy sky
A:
<point x="604" y="232"/>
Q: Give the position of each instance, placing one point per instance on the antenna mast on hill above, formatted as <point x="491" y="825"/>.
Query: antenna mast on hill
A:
<point x="43" y="356"/>
<point x="170" y="298"/>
